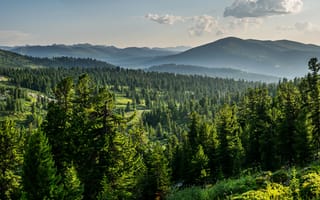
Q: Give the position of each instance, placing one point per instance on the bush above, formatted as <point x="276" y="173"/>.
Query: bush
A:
<point x="310" y="187"/>
<point x="281" y="177"/>
<point x="272" y="191"/>
<point x="193" y="193"/>
<point x="230" y="187"/>
<point x="264" y="179"/>
<point x="221" y="190"/>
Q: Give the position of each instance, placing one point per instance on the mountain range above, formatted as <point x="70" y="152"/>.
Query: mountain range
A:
<point x="278" y="58"/>
<point x="281" y="58"/>
<point x="129" y="57"/>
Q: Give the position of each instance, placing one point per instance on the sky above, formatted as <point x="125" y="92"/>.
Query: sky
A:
<point x="156" y="23"/>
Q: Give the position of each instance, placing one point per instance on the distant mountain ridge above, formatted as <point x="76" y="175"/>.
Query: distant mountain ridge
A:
<point x="278" y="58"/>
<point x="14" y="60"/>
<point x="281" y="58"/>
<point x="130" y="57"/>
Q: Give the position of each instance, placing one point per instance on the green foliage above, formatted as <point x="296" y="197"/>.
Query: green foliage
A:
<point x="313" y="90"/>
<point x="230" y="150"/>
<point x="272" y="191"/>
<point x="281" y="177"/>
<point x="310" y="187"/>
<point x="10" y="160"/>
<point x="40" y="178"/>
<point x="187" y="130"/>
<point x="295" y="184"/>
<point x="106" y="193"/>
<point x="94" y="139"/>
<point x="199" y="166"/>
<point x="157" y="177"/>
<point x="221" y="190"/>
<point x="193" y="193"/>
<point x="72" y="187"/>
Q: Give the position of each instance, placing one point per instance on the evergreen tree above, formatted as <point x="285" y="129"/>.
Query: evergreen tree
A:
<point x="10" y="161"/>
<point x="259" y="128"/>
<point x="314" y="101"/>
<point x="229" y="150"/>
<point x="157" y="178"/>
<point x="72" y="187"/>
<point x="291" y="135"/>
<point x="40" y="178"/>
<point x="85" y="130"/>
<point x="199" y="166"/>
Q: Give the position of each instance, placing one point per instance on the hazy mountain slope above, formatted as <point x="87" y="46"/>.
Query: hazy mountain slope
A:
<point x="278" y="58"/>
<point x="282" y="58"/>
<point x="130" y="57"/>
<point x="10" y="59"/>
<point x="213" y="72"/>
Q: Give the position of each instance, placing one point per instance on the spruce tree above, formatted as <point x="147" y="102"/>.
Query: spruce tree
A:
<point x="230" y="151"/>
<point x="157" y="177"/>
<point x="199" y="166"/>
<point x="10" y="160"/>
<point x="314" y="101"/>
<point x="40" y="178"/>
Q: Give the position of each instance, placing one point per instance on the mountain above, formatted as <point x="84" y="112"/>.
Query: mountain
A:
<point x="281" y="58"/>
<point x="278" y="58"/>
<point x="128" y="57"/>
<point x="10" y="59"/>
<point x="175" y="49"/>
<point x="213" y="72"/>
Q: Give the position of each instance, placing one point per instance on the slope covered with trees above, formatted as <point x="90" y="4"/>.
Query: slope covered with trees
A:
<point x="112" y="133"/>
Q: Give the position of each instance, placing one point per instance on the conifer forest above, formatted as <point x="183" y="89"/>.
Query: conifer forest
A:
<point x="84" y="129"/>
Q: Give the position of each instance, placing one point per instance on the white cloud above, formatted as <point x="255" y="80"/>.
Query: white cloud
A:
<point x="220" y="33"/>
<point x="198" y="25"/>
<point x="285" y="28"/>
<point x="261" y="8"/>
<point x="244" y="23"/>
<point x="306" y="26"/>
<point x="202" y="24"/>
<point x="164" y="19"/>
<point x="12" y="37"/>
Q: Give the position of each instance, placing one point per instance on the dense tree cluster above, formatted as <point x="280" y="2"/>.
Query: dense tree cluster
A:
<point x="173" y="131"/>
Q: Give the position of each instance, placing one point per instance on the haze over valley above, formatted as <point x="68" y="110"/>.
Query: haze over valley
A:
<point x="281" y="58"/>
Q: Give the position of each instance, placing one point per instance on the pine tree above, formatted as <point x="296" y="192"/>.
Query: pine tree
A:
<point x="199" y="166"/>
<point x="259" y="128"/>
<point x="291" y="135"/>
<point x="229" y="150"/>
<point x="314" y="101"/>
<point x="40" y="178"/>
<point x="85" y="130"/>
<point x="72" y="187"/>
<point x="10" y="161"/>
<point x="157" y="178"/>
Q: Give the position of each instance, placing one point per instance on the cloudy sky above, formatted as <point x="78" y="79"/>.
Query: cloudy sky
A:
<point x="156" y="23"/>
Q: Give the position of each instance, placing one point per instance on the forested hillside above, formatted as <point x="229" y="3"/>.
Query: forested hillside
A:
<point x="214" y="72"/>
<point x="103" y="132"/>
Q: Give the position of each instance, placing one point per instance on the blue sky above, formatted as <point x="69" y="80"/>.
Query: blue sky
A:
<point x="156" y="23"/>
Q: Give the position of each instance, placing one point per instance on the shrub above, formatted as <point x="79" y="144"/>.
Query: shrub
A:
<point x="226" y="188"/>
<point x="193" y="193"/>
<point x="310" y="187"/>
<point x="281" y="177"/>
<point x="264" y="179"/>
<point x="272" y="191"/>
